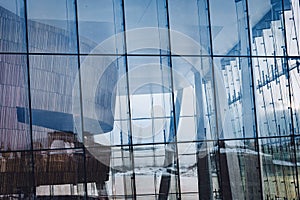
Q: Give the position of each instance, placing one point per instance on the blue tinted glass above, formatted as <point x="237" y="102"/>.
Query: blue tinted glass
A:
<point x="51" y="26"/>
<point x="14" y="103"/>
<point x="12" y="26"/>
<point x="146" y="26"/>
<point x="100" y="32"/>
<point x="191" y="21"/>
<point x="229" y="27"/>
<point x="54" y="96"/>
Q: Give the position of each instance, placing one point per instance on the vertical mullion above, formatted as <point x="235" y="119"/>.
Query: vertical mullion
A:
<point x="254" y="101"/>
<point x="133" y="183"/>
<point x="80" y="100"/>
<point x="173" y="101"/>
<point x="29" y="97"/>
<point x="285" y="57"/>
<point x="218" y="142"/>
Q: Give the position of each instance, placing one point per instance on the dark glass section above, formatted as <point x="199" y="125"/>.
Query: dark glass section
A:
<point x="16" y="174"/>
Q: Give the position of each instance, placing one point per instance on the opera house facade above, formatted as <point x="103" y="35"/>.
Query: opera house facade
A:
<point x="154" y="99"/>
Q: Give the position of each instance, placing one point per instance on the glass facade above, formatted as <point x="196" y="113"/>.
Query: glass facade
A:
<point x="154" y="99"/>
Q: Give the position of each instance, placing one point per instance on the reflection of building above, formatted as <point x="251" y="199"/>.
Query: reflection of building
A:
<point x="149" y="100"/>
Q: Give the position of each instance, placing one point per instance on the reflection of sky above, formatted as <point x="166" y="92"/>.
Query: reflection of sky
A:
<point x="97" y="26"/>
<point x="224" y="15"/>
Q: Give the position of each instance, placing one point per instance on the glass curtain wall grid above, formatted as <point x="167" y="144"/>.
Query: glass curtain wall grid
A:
<point x="154" y="99"/>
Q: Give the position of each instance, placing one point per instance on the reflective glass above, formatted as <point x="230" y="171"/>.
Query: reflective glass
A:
<point x="51" y="26"/>
<point x="162" y="99"/>
<point x="278" y="167"/>
<point x="54" y="104"/>
<point x="14" y="103"/>
<point x="294" y="70"/>
<point x="61" y="169"/>
<point x="189" y="27"/>
<point x="234" y="81"/>
<point x="146" y="27"/>
<point x="16" y="174"/>
<point x="230" y="36"/>
<point x="267" y="28"/>
<point x="12" y="26"/>
<point x="272" y="96"/>
<point x="100" y="32"/>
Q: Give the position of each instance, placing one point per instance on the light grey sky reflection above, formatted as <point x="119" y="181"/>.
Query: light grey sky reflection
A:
<point x="96" y="18"/>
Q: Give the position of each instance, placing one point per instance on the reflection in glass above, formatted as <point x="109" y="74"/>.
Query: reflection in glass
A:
<point x="14" y="126"/>
<point x="51" y="26"/>
<point x="163" y="99"/>
<point x="12" y="26"/>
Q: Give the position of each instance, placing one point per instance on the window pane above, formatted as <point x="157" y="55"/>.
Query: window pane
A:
<point x="267" y="25"/>
<point x="14" y="103"/>
<point x="12" y="26"/>
<point x="229" y="27"/>
<point x="54" y="107"/>
<point x="100" y="30"/>
<point x="51" y="26"/>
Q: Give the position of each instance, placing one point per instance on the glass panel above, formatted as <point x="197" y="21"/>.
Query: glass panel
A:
<point x="294" y="70"/>
<point x="230" y="36"/>
<point x="59" y="172"/>
<point x="234" y="81"/>
<point x="267" y="25"/>
<point x="98" y="158"/>
<point x="105" y="102"/>
<point x="51" y="26"/>
<point x="16" y="174"/>
<point x="187" y="155"/>
<point x="12" y="26"/>
<point x="146" y="27"/>
<point x="150" y="98"/>
<point x="189" y="27"/>
<point x="54" y="99"/>
<point x="278" y="167"/>
<point x="14" y="124"/>
<point x="100" y="32"/>
<point x="272" y="96"/>
<point x="292" y="27"/>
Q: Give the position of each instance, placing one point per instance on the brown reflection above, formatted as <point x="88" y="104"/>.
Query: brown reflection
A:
<point x="63" y="161"/>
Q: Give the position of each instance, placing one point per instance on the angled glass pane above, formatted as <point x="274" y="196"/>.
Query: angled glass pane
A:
<point x="51" y="26"/>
